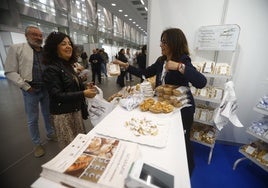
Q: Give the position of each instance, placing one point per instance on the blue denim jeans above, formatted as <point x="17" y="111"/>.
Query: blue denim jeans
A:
<point x="103" y="69"/>
<point x="31" y="102"/>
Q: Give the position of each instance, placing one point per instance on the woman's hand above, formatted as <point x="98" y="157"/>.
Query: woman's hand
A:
<point x="90" y="85"/>
<point x="90" y="93"/>
<point x="173" y="65"/>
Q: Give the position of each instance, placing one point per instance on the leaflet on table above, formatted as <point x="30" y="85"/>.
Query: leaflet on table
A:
<point x="92" y="161"/>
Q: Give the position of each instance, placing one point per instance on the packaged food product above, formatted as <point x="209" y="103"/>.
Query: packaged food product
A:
<point x="180" y="90"/>
<point x="146" y="89"/>
<point x="208" y="67"/>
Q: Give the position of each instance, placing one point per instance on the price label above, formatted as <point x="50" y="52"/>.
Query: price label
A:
<point x="196" y="135"/>
<point x="250" y="150"/>
<point x="210" y="134"/>
<point x="265" y="157"/>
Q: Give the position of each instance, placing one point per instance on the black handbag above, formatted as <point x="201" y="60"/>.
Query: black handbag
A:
<point x="84" y="111"/>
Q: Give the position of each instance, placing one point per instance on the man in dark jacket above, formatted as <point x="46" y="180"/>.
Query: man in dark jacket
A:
<point x="95" y="60"/>
<point x="141" y="59"/>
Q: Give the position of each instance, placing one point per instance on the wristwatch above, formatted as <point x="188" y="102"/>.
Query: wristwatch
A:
<point x="181" y="67"/>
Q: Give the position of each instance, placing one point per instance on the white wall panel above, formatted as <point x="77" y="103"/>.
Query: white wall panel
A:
<point x="187" y="15"/>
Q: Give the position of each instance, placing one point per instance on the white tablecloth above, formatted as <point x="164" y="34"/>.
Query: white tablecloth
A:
<point x="171" y="157"/>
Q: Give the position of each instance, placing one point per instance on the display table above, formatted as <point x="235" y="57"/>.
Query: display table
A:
<point x="171" y="157"/>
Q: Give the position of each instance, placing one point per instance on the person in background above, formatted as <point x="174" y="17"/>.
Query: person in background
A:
<point x="95" y="61"/>
<point x="135" y="58"/>
<point x="141" y="59"/>
<point x="66" y="90"/>
<point x="121" y="78"/>
<point x="84" y="59"/>
<point x="81" y="71"/>
<point x="174" y="67"/>
<point x="105" y="58"/>
<point x="24" y="68"/>
<point x="130" y="61"/>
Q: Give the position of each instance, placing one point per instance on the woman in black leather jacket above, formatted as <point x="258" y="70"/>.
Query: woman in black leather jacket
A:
<point x="174" y="67"/>
<point x="66" y="90"/>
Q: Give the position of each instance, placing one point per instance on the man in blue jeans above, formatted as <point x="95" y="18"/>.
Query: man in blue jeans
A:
<point x="24" y="68"/>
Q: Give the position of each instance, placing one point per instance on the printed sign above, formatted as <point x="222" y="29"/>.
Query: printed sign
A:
<point x="217" y="37"/>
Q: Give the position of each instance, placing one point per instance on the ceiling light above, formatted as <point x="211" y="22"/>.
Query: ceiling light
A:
<point x="146" y="9"/>
<point x="126" y="15"/>
<point x="120" y="10"/>
<point x="113" y="4"/>
<point x="142" y="2"/>
<point x="130" y="19"/>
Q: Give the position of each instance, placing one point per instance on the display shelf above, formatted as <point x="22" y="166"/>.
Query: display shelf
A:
<point x="204" y="122"/>
<point x="216" y="44"/>
<point x="217" y="101"/>
<point x="207" y="75"/>
<point x="205" y="144"/>
<point x="253" y="159"/>
<point x="213" y="137"/>
<point x="247" y="156"/>
<point x="261" y="111"/>
<point x="257" y="136"/>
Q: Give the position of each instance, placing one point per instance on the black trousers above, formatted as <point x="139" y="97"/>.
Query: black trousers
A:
<point x="187" y="121"/>
<point x="96" y="71"/>
<point x="121" y="79"/>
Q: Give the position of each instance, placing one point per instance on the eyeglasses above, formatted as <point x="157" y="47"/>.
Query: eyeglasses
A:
<point x="163" y="42"/>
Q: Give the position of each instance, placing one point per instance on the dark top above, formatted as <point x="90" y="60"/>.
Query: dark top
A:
<point x="122" y="57"/>
<point x="65" y="88"/>
<point x="105" y="57"/>
<point x="141" y="60"/>
<point x="95" y="59"/>
<point x="174" y="77"/>
<point x="38" y="68"/>
<point x="83" y="55"/>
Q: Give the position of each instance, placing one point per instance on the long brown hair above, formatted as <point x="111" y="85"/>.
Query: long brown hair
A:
<point x="176" y="41"/>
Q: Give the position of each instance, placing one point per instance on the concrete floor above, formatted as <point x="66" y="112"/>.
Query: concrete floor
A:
<point x="18" y="166"/>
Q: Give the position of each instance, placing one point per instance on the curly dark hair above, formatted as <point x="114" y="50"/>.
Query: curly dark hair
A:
<point x="176" y="41"/>
<point x="50" y="54"/>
